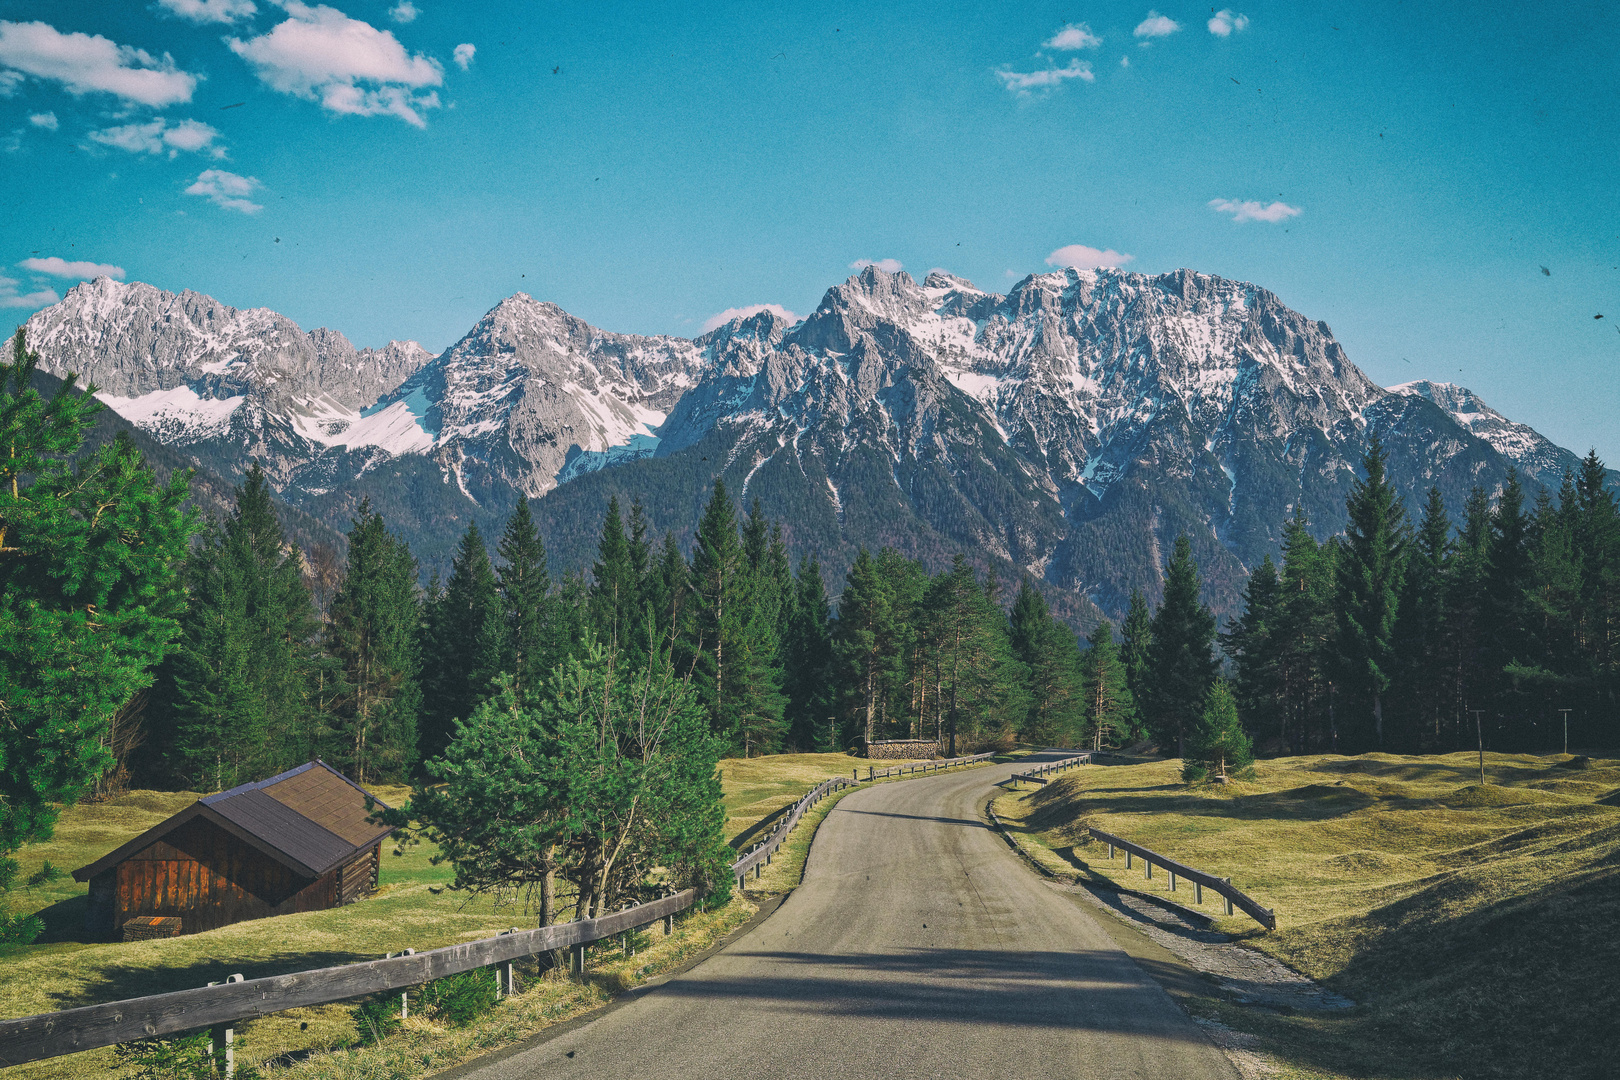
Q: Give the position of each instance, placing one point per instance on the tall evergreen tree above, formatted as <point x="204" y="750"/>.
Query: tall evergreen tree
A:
<point x="808" y="664"/>
<point x="1371" y="567"/>
<point x="1253" y="644"/>
<point x="372" y="635"/>
<point x="1136" y="634"/>
<point x="863" y="642"/>
<point x="1305" y="633"/>
<point x="1181" y="661"/>
<point x="239" y="682"/>
<point x="615" y="584"/>
<point x="1422" y="668"/>
<point x="719" y="615"/>
<point x="1109" y="716"/>
<point x="89" y="595"/>
<point x="1050" y="653"/>
<point x="463" y="646"/>
<point x="1509" y="622"/>
<point x="529" y="621"/>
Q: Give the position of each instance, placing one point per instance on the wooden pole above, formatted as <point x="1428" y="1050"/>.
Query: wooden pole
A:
<point x="1566" y="730"/>
<point x="1479" y="733"/>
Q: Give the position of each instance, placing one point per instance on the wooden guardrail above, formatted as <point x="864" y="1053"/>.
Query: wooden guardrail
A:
<point x="1222" y="886"/>
<point x="48" y="1035"/>
<point x="1037" y="775"/>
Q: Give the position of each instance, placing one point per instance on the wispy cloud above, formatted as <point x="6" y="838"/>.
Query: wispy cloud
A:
<point x="463" y="55"/>
<point x="888" y="266"/>
<point x="227" y="190"/>
<point x="85" y="64"/>
<point x="211" y="11"/>
<point x="1082" y="257"/>
<point x="404" y="12"/>
<point x="158" y="135"/>
<point x="56" y="266"/>
<point x="11" y="298"/>
<point x="1225" y="21"/>
<point x="720" y="319"/>
<point x="46" y="120"/>
<point x="1156" y="26"/>
<point x="1028" y="83"/>
<point x="1251" y="210"/>
<point x="1074" y="36"/>
<point x="349" y="66"/>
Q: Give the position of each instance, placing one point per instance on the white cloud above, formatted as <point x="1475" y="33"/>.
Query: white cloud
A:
<point x="46" y="120"/>
<point x="158" y="135"/>
<point x="211" y="11"/>
<point x="1156" y="26"/>
<point x="349" y="66"/>
<point x="1224" y="22"/>
<point x="404" y="12"/>
<point x="718" y="320"/>
<point x="227" y="190"/>
<point x="888" y="266"/>
<point x="59" y="267"/>
<point x="84" y="64"/>
<point x="1250" y="210"/>
<point x="1082" y="257"/>
<point x="1124" y="61"/>
<point x="463" y="55"/>
<point x="1074" y="36"/>
<point x="1025" y="83"/>
<point x="9" y="297"/>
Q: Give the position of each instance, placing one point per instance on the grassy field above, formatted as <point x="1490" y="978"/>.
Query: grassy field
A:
<point x="1475" y="924"/>
<point x="413" y="908"/>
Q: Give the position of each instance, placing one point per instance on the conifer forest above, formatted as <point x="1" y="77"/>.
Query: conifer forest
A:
<point x="146" y="647"/>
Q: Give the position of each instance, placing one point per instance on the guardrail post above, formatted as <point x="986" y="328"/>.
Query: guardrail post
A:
<point x="1172" y="881"/>
<point x="1127" y="858"/>
<point x="1198" y="892"/>
<point x="221" y="1040"/>
<point x="1110" y="851"/>
<point x="1149" y="864"/>
<point x="1228" y="898"/>
<point x="576" y="958"/>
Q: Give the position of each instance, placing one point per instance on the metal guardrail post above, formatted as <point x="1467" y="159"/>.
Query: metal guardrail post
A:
<point x="1198" y="892"/>
<point x="221" y="1042"/>
<point x="1228" y="899"/>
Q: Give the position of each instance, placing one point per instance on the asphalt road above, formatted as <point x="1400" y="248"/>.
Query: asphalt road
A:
<point x="918" y="945"/>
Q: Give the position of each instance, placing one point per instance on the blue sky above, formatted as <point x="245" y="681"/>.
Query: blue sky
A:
<point x="648" y="169"/>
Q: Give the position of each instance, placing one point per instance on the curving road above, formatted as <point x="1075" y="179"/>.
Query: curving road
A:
<point x="918" y="946"/>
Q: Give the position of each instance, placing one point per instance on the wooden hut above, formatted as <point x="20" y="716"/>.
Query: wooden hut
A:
<point x="299" y="841"/>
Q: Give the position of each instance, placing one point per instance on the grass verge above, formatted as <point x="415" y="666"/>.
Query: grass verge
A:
<point x="1473" y="923"/>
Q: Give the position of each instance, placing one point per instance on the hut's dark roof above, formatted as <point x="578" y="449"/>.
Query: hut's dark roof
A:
<point x="309" y="819"/>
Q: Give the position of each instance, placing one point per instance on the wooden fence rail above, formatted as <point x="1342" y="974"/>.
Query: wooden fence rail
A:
<point x="1222" y="886"/>
<point x="48" y="1035"/>
<point x="1038" y="774"/>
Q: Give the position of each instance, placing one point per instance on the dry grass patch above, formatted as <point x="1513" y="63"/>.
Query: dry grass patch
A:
<point x="1474" y="922"/>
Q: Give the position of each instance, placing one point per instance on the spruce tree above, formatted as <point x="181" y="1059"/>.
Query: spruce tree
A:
<point x="1305" y="634"/>
<point x="1109" y="716"/>
<point x="529" y="622"/>
<point x="1181" y="662"/>
<point x="372" y="637"/>
<point x="239" y="681"/>
<point x="462" y="645"/>
<point x="1050" y="653"/>
<point x="1422" y="668"/>
<point x="1507" y="640"/>
<point x="1253" y="644"/>
<point x="808" y="664"/>
<point x="89" y="593"/>
<point x="1136" y="634"/>
<point x="1371" y="567"/>
<point x="1219" y="749"/>
<point x="718" y="614"/>
<point x="615" y="585"/>
<point x="863" y="642"/>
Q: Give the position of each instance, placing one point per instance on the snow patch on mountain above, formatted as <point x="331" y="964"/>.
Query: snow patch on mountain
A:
<point x="176" y="416"/>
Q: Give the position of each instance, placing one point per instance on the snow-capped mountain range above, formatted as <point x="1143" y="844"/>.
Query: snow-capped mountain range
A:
<point x="1068" y="429"/>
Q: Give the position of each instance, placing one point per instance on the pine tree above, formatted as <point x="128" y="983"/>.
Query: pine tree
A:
<point x="1253" y="644"/>
<point x="1136" y="634"/>
<point x="238" y="684"/>
<point x="529" y="621"/>
<point x="89" y="594"/>
<point x="1304" y="634"/>
<point x="1421" y="667"/>
<point x="372" y="636"/>
<point x="615" y="585"/>
<point x="1219" y="749"/>
<point x="808" y="664"/>
<point x="462" y="645"/>
<point x="862" y="641"/>
<point x="1051" y="654"/>
<point x="1181" y="662"/>
<point x="718" y="614"/>
<point x="1109" y="714"/>
<point x="1370" y="572"/>
<point x="1508" y="619"/>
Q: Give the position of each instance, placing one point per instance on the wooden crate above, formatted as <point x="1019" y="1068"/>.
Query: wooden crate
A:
<point x="148" y="927"/>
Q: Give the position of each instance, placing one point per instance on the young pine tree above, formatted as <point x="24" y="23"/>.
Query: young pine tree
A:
<point x="1372" y="566"/>
<point x="462" y="643"/>
<point x="1252" y="643"/>
<point x="1220" y="749"/>
<point x="1136" y="634"/>
<point x="529" y="621"/>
